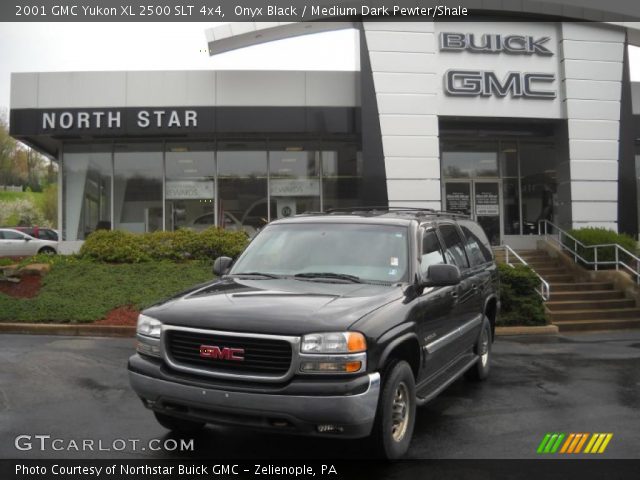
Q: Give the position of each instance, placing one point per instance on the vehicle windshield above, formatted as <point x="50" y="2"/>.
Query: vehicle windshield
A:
<point x="347" y="252"/>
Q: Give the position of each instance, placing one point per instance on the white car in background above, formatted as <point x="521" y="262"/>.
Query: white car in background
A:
<point x="17" y="244"/>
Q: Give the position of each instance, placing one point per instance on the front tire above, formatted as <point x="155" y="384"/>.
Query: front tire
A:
<point x="396" y="415"/>
<point x="47" y="251"/>
<point x="480" y="371"/>
<point x="178" y="425"/>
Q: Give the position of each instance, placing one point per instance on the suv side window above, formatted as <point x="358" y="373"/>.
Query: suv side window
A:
<point x="431" y="250"/>
<point x="478" y="253"/>
<point x="454" y="246"/>
<point x="477" y="243"/>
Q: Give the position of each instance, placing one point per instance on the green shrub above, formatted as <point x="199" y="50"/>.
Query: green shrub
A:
<point x="599" y="236"/>
<point x="520" y="302"/>
<point x="114" y="247"/>
<point x="124" y="247"/>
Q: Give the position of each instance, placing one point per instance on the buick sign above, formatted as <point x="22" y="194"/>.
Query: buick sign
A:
<point x="495" y="43"/>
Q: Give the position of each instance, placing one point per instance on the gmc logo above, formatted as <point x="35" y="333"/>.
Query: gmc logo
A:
<point x="475" y="83"/>
<point x="224" y="353"/>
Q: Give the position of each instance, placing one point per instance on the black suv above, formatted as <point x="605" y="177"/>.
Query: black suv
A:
<point x="336" y="324"/>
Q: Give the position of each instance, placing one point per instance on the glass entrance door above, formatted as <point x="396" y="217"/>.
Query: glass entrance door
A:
<point x="481" y="200"/>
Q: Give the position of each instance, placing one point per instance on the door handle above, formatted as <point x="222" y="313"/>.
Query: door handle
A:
<point x="454" y="294"/>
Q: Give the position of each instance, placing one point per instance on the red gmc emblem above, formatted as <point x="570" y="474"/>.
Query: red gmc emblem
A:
<point x="224" y="353"/>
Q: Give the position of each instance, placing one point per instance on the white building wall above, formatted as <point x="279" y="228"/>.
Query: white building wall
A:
<point x="591" y="71"/>
<point x="403" y="63"/>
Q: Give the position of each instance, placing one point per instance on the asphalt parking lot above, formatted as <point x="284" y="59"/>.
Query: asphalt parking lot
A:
<point x="74" y="389"/>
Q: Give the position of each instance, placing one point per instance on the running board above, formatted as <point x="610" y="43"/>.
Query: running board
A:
<point x="420" y="401"/>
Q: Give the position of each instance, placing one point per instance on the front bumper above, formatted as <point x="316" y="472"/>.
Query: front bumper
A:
<point x="351" y="415"/>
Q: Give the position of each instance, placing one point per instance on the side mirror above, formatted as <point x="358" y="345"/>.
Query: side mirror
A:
<point x="27" y="239"/>
<point x="441" y="276"/>
<point x="221" y="265"/>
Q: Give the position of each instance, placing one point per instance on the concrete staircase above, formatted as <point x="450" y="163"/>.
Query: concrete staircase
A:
<point x="577" y="305"/>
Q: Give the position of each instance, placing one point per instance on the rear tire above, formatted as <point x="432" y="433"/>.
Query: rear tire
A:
<point x="393" y="428"/>
<point x="47" y="251"/>
<point x="178" y="425"/>
<point x="480" y="371"/>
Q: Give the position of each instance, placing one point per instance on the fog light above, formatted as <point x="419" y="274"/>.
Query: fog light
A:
<point x="340" y="367"/>
<point x="328" y="428"/>
<point x="146" y="349"/>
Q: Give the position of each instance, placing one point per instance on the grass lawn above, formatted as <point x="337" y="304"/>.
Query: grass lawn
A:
<point x="76" y="291"/>
<point x="36" y="197"/>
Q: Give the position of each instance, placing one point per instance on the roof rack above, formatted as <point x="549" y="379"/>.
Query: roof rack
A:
<point x="385" y="209"/>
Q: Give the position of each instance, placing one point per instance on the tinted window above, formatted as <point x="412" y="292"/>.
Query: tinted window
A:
<point x="48" y="235"/>
<point x="9" y="235"/>
<point x="454" y="248"/>
<point x="431" y="250"/>
<point x="477" y="243"/>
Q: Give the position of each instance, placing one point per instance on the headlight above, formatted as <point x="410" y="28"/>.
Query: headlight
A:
<point x="335" y="342"/>
<point x="148" y="326"/>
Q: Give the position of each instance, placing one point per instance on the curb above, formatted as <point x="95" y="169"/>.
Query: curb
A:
<point x="70" y="330"/>
<point x="526" y="330"/>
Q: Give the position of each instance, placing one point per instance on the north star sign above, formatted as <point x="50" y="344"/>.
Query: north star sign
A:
<point x="483" y="83"/>
<point x="98" y="119"/>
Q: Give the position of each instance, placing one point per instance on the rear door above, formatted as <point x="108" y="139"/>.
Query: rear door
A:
<point x="465" y="293"/>
<point x="482" y="271"/>
<point x="10" y="243"/>
<point x="19" y="245"/>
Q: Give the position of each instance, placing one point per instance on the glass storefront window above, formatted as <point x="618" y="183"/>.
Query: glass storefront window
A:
<point x="242" y="185"/>
<point x="294" y="181"/>
<point x="190" y="185"/>
<point x="470" y="159"/>
<point x="341" y="177"/>
<point x="86" y="173"/>
<point x="538" y="184"/>
<point x="509" y="159"/>
<point x="138" y="187"/>
<point x="511" y="206"/>
<point x="235" y="184"/>
<point x="528" y="183"/>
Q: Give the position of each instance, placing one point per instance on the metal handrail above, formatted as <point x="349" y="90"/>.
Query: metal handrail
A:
<point x="545" y="288"/>
<point x="595" y="263"/>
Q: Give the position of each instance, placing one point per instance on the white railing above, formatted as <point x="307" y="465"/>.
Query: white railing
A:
<point x="545" y="289"/>
<point x="621" y="258"/>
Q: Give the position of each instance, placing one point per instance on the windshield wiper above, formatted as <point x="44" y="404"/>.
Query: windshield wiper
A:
<point x="339" y="276"/>
<point x="256" y="274"/>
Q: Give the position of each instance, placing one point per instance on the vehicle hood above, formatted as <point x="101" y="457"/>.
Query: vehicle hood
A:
<point x="274" y="306"/>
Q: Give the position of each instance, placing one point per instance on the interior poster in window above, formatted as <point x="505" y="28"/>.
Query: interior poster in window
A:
<point x="487" y="201"/>
<point x="458" y="198"/>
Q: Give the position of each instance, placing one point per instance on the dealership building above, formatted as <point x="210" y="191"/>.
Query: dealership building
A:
<point x="510" y="122"/>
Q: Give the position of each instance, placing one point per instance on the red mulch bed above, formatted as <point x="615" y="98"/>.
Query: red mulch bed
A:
<point x="126" y="315"/>
<point x="28" y="287"/>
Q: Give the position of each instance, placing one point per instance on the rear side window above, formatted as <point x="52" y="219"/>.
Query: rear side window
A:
<point x="476" y="243"/>
<point x="9" y="235"/>
<point x="431" y="251"/>
<point x="454" y="246"/>
<point x="48" y="235"/>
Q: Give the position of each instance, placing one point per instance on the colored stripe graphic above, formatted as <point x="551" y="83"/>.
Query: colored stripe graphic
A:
<point x="573" y="443"/>
<point x="598" y="443"/>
